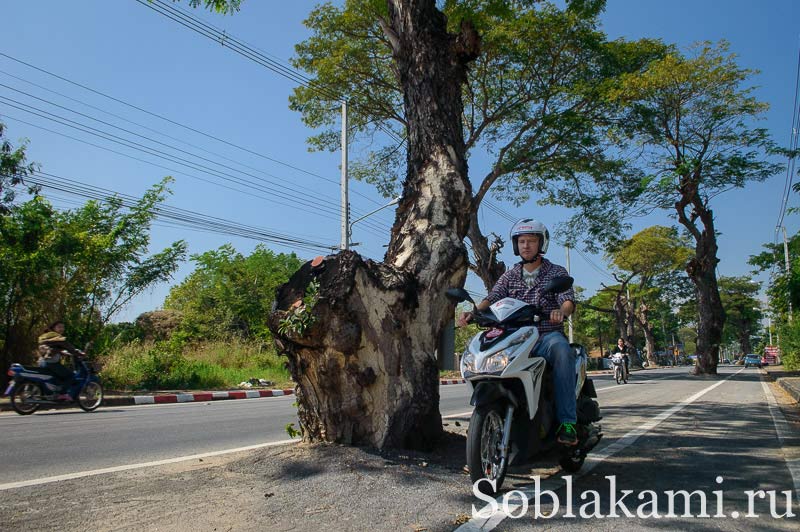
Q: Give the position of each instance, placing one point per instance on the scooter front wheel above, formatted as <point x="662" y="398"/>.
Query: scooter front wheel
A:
<point x="90" y="396"/>
<point x="484" y="446"/>
<point x="22" y="394"/>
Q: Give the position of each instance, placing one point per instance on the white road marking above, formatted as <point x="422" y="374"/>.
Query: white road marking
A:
<point x="592" y="461"/>
<point x="782" y="428"/>
<point x="128" y="467"/>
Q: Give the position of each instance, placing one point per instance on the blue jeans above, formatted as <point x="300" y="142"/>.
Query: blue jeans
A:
<point x="555" y="349"/>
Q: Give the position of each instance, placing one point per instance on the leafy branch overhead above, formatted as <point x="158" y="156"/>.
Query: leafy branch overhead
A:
<point x="534" y="102"/>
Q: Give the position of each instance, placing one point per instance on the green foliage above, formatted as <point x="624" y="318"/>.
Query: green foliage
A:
<point x="178" y="363"/>
<point x="301" y="318"/>
<point x="225" y="7"/>
<point x="81" y="266"/>
<point x="594" y="328"/>
<point x="13" y="170"/>
<point x="691" y="120"/>
<point x="742" y="309"/>
<point x="291" y="431"/>
<point x="784" y="286"/>
<point x="534" y="100"/>
<point x="230" y="295"/>
<point x="790" y="344"/>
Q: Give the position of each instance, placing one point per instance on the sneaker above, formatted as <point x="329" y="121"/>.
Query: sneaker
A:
<point x="567" y="435"/>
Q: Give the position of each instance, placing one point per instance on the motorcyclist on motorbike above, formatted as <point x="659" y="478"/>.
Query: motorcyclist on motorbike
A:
<point x="625" y="351"/>
<point x="525" y="281"/>
<point x="53" y="345"/>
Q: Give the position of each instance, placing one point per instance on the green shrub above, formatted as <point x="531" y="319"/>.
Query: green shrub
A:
<point x="178" y="364"/>
<point x="790" y="344"/>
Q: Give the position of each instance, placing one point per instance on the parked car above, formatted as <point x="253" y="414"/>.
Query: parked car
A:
<point x="752" y="360"/>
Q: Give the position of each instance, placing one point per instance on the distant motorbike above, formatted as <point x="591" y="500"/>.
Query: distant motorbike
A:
<point x="31" y="387"/>
<point x="620" y="372"/>
<point x="514" y="416"/>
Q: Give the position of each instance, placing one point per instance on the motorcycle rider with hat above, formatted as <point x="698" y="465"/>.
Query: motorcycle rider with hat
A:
<point x="525" y="281"/>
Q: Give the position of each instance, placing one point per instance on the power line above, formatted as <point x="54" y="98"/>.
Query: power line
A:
<point x="793" y="145"/>
<point x="193" y="23"/>
<point x="305" y="192"/>
<point x="173" y="122"/>
<point x="177" y="216"/>
<point x="136" y="124"/>
<point x="301" y="199"/>
<point x="591" y="263"/>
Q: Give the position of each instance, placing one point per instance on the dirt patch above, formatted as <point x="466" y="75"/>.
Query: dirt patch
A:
<point x="292" y="487"/>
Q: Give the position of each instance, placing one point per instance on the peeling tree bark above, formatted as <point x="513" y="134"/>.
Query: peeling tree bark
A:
<point x="366" y="368"/>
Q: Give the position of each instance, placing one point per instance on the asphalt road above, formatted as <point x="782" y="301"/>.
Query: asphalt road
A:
<point x="58" y="442"/>
<point x="661" y="436"/>
<point x="664" y="431"/>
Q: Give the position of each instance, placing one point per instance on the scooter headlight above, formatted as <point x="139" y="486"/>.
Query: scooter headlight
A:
<point x="496" y="363"/>
<point x="468" y="362"/>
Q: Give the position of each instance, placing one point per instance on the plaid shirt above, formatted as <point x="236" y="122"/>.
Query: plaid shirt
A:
<point x="511" y="284"/>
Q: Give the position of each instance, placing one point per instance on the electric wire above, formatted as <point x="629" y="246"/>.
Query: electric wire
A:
<point x="302" y="197"/>
<point x="176" y="139"/>
<point x="195" y="24"/>
<point x="175" y="123"/>
<point x="176" y="216"/>
<point x="174" y="159"/>
<point x="793" y="145"/>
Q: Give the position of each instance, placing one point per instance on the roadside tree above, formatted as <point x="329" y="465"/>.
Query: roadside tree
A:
<point x="81" y="266"/>
<point x="691" y="118"/>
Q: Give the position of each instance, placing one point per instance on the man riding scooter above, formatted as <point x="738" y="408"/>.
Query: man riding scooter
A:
<point x="53" y="346"/>
<point x="525" y="282"/>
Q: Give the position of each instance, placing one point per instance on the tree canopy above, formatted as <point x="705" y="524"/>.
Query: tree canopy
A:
<point x="80" y="266"/>
<point x="229" y="294"/>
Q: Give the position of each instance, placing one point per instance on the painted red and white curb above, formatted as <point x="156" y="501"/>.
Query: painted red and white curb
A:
<point x="222" y="396"/>
<point x="207" y="396"/>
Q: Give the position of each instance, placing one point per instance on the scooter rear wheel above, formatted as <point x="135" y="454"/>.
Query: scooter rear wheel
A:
<point x="90" y="396"/>
<point x="20" y="396"/>
<point x="484" y="441"/>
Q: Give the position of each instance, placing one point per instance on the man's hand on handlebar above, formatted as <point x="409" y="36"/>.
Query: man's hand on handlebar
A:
<point x="464" y="319"/>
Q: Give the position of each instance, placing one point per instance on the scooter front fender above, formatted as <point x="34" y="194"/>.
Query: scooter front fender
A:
<point x="488" y="392"/>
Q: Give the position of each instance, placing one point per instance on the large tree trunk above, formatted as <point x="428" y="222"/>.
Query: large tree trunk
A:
<point x="647" y="328"/>
<point x="702" y="271"/>
<point x="366" y="368"/>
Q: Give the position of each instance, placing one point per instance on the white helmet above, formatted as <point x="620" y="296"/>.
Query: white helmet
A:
<point x="529" y="226"/>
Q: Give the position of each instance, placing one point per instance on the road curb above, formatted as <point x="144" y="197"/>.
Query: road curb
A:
<point x="193" y="397"/>
<point x="790" y="385"/>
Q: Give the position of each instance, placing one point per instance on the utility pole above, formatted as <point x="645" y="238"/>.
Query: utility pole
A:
<point x="345" y="199"/>
<point x="769" y="329"/>
<point x="569" y="319"/>
<point x="788" y="271"/>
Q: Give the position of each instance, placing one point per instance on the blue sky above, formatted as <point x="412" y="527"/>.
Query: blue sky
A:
<point x="126" y="50"/>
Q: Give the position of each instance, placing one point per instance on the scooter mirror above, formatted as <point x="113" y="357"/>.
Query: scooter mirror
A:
<point x="458" y="295"/>
<point x="559" y="284"/>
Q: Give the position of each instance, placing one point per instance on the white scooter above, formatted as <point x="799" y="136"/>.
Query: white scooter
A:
<point x="620" y="372"/>
<point x="512" y="392"/>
